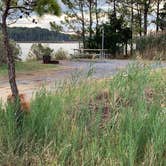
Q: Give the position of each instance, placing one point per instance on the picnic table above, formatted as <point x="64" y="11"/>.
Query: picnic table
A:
<point x="101" y="53"/>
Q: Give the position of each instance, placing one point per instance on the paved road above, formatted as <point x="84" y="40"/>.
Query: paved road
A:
<point x="29" y="83"/>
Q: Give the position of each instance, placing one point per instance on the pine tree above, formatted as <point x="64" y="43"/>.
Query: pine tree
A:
<point x="17" y="9"/>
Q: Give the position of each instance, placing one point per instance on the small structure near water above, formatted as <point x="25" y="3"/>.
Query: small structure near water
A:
<point x="47" y="60"/>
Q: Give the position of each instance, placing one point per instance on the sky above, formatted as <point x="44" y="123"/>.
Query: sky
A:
<point x="44" y="22"/>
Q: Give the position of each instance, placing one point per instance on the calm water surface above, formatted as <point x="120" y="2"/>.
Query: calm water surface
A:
<point x="68" y="47"/>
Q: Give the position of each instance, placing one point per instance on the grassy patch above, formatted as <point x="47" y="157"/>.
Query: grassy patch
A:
<point x="113" y="122"/>
<point x="28" y="67"/>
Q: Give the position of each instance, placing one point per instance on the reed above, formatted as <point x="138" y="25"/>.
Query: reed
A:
<point x="70" y="125"/>
<point x="152" y="46"/>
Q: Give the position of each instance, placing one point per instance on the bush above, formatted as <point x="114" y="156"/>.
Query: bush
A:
<point x="37" y="51"/>
<point x="61" y="54"/>
<point x="152" y="46"/>
<point x="15" y="48"/>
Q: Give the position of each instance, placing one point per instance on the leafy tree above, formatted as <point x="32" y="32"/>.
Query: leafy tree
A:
<point x="37" y="51"/>
<point x="11" y="11"/>
<point x="116" y="34"/>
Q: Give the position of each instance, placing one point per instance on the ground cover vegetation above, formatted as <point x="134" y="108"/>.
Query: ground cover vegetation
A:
<point x="120" y="121"/>
<point x="27" y="67"/>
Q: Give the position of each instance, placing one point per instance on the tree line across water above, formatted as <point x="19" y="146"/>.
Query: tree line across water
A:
<point x="36" y="34"/>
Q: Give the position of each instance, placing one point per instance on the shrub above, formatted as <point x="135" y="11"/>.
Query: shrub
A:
<point x="15" y="48"/>
<point x="37" y="51"/>
<point x="152" y="46"/>
<point x="61" y="54"/>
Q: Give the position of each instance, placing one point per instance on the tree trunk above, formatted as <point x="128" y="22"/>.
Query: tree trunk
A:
<point x="139" y="15"/>
<point x="10" y="63"/>
<point x="126" y="49"/>
<point x="97" y="17"/>
<point x="114" y="4"/>
<point x="157" y="17"/>
<point x="140" y="23"/>
<point x="83" y="23"/>
<point x="146" y="9"/>
<point x="90" y="23"/>
<point x="97" y="22"/>
<point x="132" y="15"/>
<point x="145" y="21"/>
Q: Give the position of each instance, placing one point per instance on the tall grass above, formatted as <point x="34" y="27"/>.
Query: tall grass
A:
<point x="152" y="46"/>
<point x="67" y="126"/>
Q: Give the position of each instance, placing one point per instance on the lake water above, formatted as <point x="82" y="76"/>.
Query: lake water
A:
<point x="66" y="46"/>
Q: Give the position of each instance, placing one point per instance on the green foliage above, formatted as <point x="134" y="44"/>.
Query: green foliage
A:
<point x="66" y="128"/>
<point x="37" y="51"/>
<point x="47" y="6"/>
<point x="55" y="27"/>
<point x="152" y="46"/>
<point x="61" y="54"/>
<point x="15" y="48"/>
<point x="116" y="34"/>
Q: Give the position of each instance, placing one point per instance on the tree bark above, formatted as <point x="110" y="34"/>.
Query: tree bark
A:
<point x="97" y="22"/>
<point x="9" y="56"/>
<point x="90" y="23"/>
<point x="126" y="49"/>
<point x="10" y="62"/>
<point x="157" y="17"/>
<point x="83" y="23"/>
<point x="132" y="16"/>
<point x="114" y="4"/>
<point x="140" y="23"/>
<point x="145" y="21"/>
<point x="97" y="17"/>
<point x="146" y="9"/>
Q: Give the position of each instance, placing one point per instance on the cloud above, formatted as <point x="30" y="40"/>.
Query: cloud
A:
<point x="42" y="22"/>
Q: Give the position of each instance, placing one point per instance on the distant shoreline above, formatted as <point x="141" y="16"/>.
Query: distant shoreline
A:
<point x="47" y="41"/>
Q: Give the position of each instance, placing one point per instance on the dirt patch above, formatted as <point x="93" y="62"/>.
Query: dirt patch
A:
<point x="29" y="82"/>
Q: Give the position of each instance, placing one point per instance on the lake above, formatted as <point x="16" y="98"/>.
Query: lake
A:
<point x="66" y="46"/>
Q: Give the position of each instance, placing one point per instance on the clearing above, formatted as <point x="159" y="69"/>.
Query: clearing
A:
<point x="31" y="76"/>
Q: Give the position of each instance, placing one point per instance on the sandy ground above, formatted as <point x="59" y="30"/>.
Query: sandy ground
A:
<point x="31" y="82"/>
